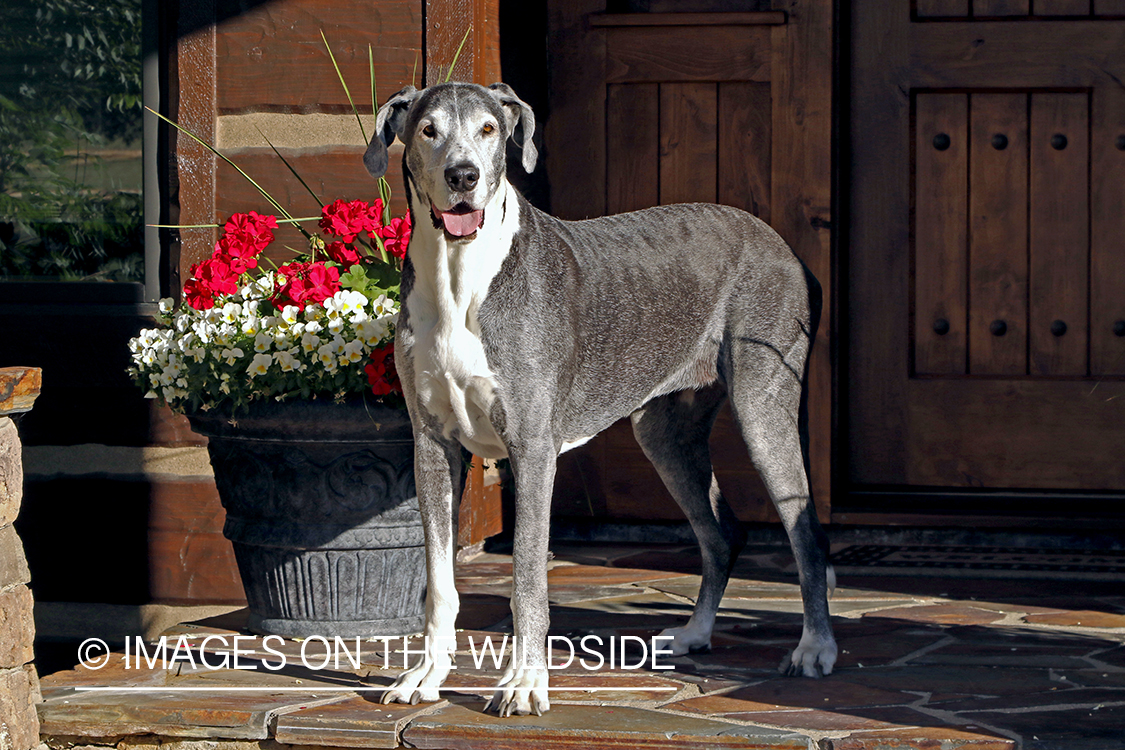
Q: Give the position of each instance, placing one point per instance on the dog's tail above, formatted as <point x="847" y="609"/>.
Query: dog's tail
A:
<point x="816" y="306"/>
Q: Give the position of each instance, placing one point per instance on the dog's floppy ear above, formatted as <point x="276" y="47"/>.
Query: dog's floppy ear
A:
<point x="389" y="122"/>
<point x="521" y="122"/>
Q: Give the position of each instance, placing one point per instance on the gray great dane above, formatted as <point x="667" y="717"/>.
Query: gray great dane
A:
<point x="522" y="335"/>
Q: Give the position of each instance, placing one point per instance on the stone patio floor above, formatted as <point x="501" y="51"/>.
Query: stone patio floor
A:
<point x="927" y="660"/>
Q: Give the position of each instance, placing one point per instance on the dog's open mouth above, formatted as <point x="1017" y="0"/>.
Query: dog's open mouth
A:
<point x="461" y="221"/>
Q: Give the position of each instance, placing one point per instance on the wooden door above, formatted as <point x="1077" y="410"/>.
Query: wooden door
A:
<point x="657" y="108"/>
<point x="986" y="303"/>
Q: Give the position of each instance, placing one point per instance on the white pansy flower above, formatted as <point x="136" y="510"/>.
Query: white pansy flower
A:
<point x="232" y="355"/>
<point x="336" y="324"/>
<point x="251" y="325"/>
<point x="313" y="326"/>
<point x="282" y="339"/>
<point x="167" y="304"/>
<point x="326" y="355"/>
<point x="288" y="362"/>
<point x="260" y="365"/>
<point x="334" y="306"/>
<point x="384" y="305"/>
<point x="263" y="342"/>
<point x="310" y="342"/>
<point x="231" y="312"/>
<point x="353" y="351"/>
<point x="371" y="331"/>
<point x="289" y="314"/>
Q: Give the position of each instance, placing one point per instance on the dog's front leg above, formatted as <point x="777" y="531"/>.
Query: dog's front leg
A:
<point x="438" y="476"/>
<point x="523" y="687"/>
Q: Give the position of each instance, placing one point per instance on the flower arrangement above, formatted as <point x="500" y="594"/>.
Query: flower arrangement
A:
<point x="320" y="325"/>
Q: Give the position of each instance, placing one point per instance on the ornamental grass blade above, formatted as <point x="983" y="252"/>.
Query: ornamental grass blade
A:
<point x="345" y="85"/>
<point x="285" y="161"/>
<point x="184" y="226"/>
<point x="374" y="95"/>
<point x="457" y="54"/>
<point x="215" y="151"/>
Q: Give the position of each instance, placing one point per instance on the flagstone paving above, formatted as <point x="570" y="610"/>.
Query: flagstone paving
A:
<point x="925" y="662"/>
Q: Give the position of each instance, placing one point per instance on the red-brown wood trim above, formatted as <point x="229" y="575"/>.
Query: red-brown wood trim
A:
<point x="446" y="24"/>
<point x="757" y="18"/>
<point x="195" y="54"/>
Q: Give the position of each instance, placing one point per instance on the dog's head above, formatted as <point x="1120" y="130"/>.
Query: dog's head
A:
<point x="455" y="136"/>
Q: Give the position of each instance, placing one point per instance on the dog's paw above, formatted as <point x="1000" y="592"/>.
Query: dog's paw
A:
<point x="521" y="692"/>
<point x="685" y="640"/>
<point x="420" y="683"/>
<point x="814" y="657"/>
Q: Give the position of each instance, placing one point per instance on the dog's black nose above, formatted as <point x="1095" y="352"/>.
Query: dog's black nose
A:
<point x="462" y="177"/>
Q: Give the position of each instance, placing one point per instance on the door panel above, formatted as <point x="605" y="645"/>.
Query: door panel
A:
<point x="1059" y="234"/>
<point x="664" y="108"/>
<point x="941" y="233"/>
<point x="1107" y="228"/>
<point x="689" y="150"/>
<point x="987" y="260"/>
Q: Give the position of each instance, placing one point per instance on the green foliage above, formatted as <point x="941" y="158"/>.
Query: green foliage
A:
<point x="70" y="84"/>
<point x="372" y="278"/>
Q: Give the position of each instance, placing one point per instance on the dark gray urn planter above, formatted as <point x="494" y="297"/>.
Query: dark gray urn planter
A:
<point x="323" y="515"/>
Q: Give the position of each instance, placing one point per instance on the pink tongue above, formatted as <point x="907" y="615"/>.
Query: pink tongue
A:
<point x="462" y="225"/>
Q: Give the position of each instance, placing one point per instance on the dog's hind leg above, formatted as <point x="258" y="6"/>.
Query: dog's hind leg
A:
<point x="673" y="431"/>
<point x="765" y="382"/>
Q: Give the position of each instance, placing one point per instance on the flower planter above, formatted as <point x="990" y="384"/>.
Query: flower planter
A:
<point x="323" y="515"/>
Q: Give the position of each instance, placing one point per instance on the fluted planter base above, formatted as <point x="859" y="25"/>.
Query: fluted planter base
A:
<point x="323" y="516"/>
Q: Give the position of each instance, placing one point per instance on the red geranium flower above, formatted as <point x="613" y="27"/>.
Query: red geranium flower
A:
<point x="305" y="283"/>
<point x="323" y="281"/>
<point x="346" y="220"/>
<point x="396" y="236"/>
<point x="209" y="279"/>
<point x="217" y="274"/>
<point x="382" y="375"/>
<point x="341" y="253"/>
<point x="250" y="230"/>
<point x="198" y="295"/>
<point x="241" y="256"/>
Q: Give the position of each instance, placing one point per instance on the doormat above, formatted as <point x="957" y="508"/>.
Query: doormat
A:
<point x="1028" y="562"/>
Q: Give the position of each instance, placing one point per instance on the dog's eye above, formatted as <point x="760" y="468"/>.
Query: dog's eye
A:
<point x="429" y="131"/>
<point x="488" y="128"/>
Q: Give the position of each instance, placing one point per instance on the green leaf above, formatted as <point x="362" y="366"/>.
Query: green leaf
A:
<point x="355" y="279"/>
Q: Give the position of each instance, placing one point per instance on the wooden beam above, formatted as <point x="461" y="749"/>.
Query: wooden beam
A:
<point x="195" y="58"/>
<point x="477" y="22"/>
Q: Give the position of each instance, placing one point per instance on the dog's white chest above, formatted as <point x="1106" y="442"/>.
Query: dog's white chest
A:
<point x="452" y="378"/>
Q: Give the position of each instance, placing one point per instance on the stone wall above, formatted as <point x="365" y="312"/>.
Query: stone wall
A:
<point x="19" y="683"/>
